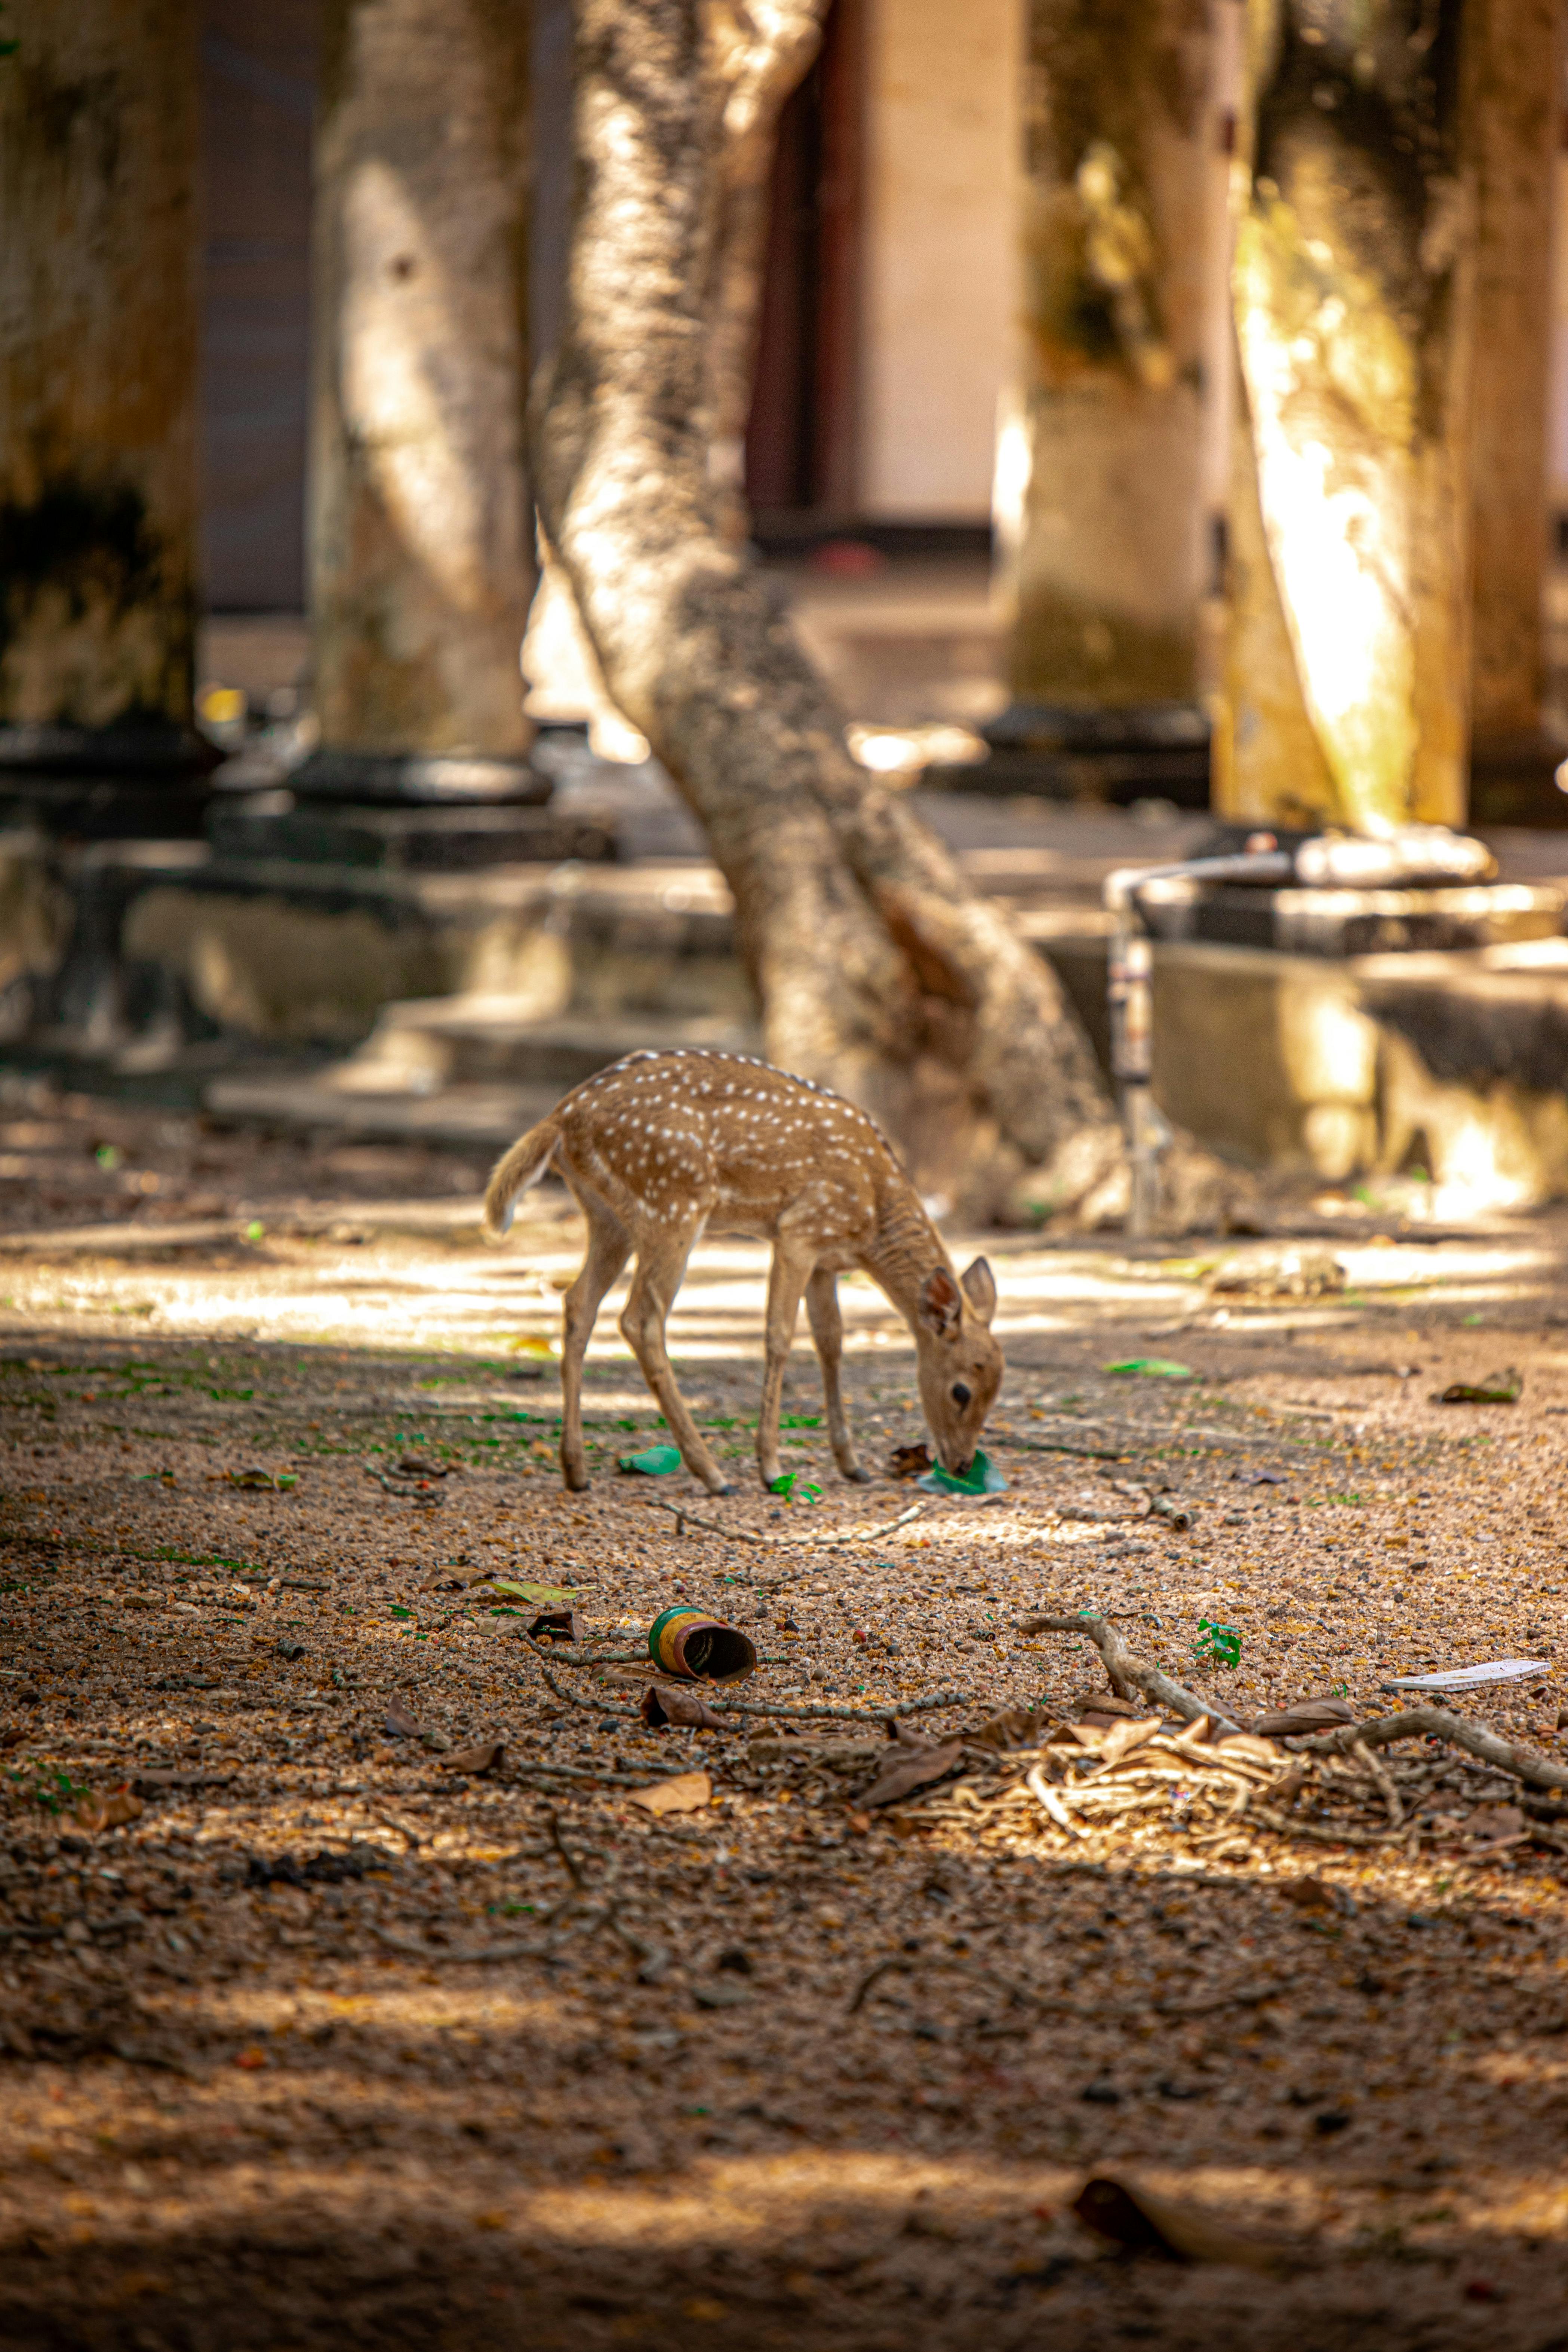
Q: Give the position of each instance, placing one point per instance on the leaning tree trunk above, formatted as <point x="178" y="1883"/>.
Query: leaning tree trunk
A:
<point x="1347" y="665"/>
<point x="878" y="971"/>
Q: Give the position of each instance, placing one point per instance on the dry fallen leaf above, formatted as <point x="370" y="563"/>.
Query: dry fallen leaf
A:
<point x="1496" y="1825"/>
<point x="1249" y="1743"/>
<point x="685" y="1792"/>
<point x="1123" y="1737"/>
<point x="113" y="1812"/>
<point x="483" y="1758"/>
<point x="1144" y="2222"/>
<point x="910" y="1770"/>
<point x="1307" y="1715"/>
<point x="663" y="1705"/>
<point x="908" y="1461"/>
<point x="1497" y="1388"/>
<point x="1015" y="1727"/>
<point x="1310" y="1894"/>
<point x="556" y="1625"/>
<point x="400" y="1724"/>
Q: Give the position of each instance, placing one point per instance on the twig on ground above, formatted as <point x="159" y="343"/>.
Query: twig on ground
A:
<point x="1041" y="1789"/>
<point x="1049" y="1445"/>
<point x="1437" y="1723"/>
<point x="1019" y="1994"/>
<point x="1384" y="1779"/>
<point x="714" y="1526"/>
<point x="905" y="1706"/>
<point x="744" y="1706"/>
<point x="869" y="1535"/>
<point x="574" y="1867"/>
<point x="1128" y="1675"/>
<point x="1244" y="1997"/>
<point x="564" y="1655"/>
<point x="1291" y="1827"/>
<point x="408" y="1493"/>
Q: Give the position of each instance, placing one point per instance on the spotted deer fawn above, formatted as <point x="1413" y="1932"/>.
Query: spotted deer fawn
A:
<point x="663" y="1147"/>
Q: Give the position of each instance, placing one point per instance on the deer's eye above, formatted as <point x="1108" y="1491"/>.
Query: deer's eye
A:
<point x="959" y="1394"/>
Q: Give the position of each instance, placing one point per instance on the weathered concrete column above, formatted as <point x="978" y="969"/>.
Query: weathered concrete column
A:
<point x="1098" y="502"/>
<point x="421" y="523"/>
<point x="1517" y="84"/>
<point x="97" y="387"/>
<point x="1348" y="666"/>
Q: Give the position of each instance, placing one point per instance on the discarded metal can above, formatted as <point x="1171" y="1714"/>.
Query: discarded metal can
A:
<point x="684" y="1642"/>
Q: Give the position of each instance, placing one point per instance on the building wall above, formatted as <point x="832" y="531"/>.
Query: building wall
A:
<point x="941" y="252"/>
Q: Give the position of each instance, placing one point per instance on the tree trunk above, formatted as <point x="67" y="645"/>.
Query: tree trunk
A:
<point x="98" y="386"/>
<point x="1517" y="83"/>
<point x="1100" y="478"/>
<point x="878" y="971"/>
<point x="1348" y="663"/>
<point x="422" y="543"/>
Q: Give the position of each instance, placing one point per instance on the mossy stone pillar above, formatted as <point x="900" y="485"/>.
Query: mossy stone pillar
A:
<point x="97" y="387"/>
<point x="1098" y="497"/>
<point x="422" y="566"/>
<point x="1347" y="689"/>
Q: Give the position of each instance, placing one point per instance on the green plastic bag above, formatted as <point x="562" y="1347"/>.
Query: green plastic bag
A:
<point x="1153" y="1368"/>
<point x="984" y="1478"/>
<point x="654" y="1460"/>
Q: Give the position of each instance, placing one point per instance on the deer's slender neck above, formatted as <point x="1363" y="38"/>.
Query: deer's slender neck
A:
<point x="904" y="1249"/>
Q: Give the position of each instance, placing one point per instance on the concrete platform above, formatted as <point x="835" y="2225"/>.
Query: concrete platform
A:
<point x="454" y="1006"/>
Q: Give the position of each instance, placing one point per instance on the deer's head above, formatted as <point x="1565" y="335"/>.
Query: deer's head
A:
<point x="960" y="1363"/>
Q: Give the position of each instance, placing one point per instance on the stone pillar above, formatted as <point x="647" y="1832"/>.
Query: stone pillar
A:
<point x="1347" y="686"/>
<point x="1099" y="496"/>
<point x="97" y="387"/>
<point x="422" y="560"/>
<point x="1517" y="85"/>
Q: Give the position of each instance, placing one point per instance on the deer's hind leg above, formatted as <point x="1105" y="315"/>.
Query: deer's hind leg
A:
<point x="662" y="1264"/>
<point x="828" y="1330"/>
<point x="609" y="1247"/>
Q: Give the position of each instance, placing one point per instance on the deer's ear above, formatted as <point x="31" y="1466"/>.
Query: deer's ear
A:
<point x="942" y="1309"/>
<point x="980" y="1288"/>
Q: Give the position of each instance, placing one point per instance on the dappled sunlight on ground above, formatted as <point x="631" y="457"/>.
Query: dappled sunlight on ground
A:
<point x="335" y="2042"/>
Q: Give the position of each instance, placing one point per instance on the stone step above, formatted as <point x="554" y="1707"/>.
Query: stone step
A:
<point x="281" y="825"/>
<point x="466" y="1117"/>
<point x="479" y="1039"/>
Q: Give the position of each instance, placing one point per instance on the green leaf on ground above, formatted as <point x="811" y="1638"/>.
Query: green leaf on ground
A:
<point x="983" y="1478"/>
<point x="1152" y="1367"/>
<point x="544" y="1596"/>
<point x="653" y="1462"/>
<point x="1217" y="1644"/>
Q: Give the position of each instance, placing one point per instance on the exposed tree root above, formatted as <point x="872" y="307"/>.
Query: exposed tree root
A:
<point x="1128" y="1675"/>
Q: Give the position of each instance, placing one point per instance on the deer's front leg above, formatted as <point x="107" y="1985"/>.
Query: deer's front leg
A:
<point x="828" y="1330"/>
<point x="609" y="1247"/>
<point x="660" y="1266"/>
<point x="787" y="1279"/>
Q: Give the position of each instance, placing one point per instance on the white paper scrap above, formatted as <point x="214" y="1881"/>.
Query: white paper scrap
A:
<point x="1497" y="1670"/>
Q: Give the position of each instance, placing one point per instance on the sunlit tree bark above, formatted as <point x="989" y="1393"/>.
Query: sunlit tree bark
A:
<point x="1352" y="283"/>
<point x="1099" y="484"/>
<point x="98" y="385"/>
<point x="422" y="543"/>
<point x="877" y="968"/>
<point x="1516" y="83"/>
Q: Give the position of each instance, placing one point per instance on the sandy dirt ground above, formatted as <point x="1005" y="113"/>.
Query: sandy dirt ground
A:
<point x="342" y="2039"/>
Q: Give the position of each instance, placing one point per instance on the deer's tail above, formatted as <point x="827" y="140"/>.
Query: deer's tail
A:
<point x="514" y="1171"/>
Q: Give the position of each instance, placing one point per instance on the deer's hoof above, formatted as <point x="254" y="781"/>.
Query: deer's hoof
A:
<point x="576" y="1481"/>
<point x="857" y="1477"/>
